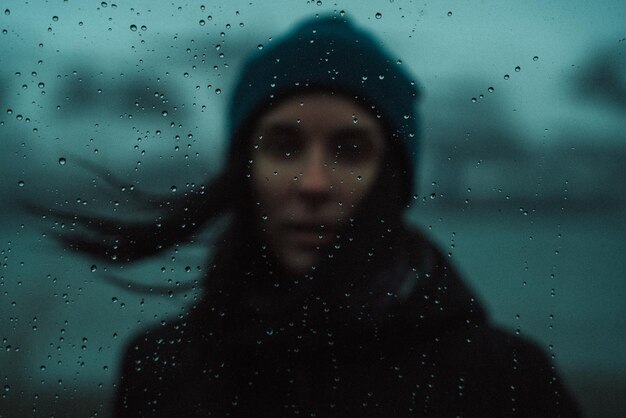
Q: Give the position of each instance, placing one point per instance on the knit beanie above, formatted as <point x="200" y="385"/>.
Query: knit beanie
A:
<point x="329" y="53"/>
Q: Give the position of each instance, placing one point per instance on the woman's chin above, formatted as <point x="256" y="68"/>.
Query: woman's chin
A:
<point x="299" y="261"/>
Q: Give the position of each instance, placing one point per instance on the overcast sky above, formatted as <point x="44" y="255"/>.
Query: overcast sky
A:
<point x="447" y="45"/>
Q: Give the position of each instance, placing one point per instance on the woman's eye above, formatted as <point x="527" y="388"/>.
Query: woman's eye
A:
<point x="353" y="151"/>
<point x="283" y="147"/>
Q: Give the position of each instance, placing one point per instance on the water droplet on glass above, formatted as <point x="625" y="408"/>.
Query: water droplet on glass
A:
<point x="94" y="268"/>
<point x="41" y="85"/>
<point x="55" y="18"/>
<point x="133" y="28"/>
<point x="202" y="22"/>
<point x="260" y="46"/>
<point x="144" y="27"/>
<point x="473" y="99"/>
<point x="62" y="161"/>
<point x="449" y="13"/>
<point x="506" y="76"/>
<point x="164" y="113"/>
<point x="535" y="58"/>
<point x="20" y="183"/>
<point x="7" y="12"/>
<point x="173" y="188"/>
<point x="517" y="69"/>
<point x="378" y="15"/>
<point x="490" y="89"/>
<point x="104" y="4"/>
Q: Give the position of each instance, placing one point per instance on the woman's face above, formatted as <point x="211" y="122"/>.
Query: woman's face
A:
<point x="315" y="156"/>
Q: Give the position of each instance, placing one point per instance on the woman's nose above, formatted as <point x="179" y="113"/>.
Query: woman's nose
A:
<point x="316" y="174"/>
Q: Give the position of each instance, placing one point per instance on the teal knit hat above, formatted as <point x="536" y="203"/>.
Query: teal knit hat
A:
<point x="329" y="54"/>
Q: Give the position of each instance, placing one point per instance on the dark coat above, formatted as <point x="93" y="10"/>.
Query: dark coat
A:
<point x="418" y="344"/>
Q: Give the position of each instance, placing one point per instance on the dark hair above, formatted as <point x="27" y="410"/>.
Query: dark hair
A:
<point x="169" y="222"/>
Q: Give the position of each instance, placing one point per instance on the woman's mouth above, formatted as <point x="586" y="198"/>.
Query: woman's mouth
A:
<point x="308" y="234"/>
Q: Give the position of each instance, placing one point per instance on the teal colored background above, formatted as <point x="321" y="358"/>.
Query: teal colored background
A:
<point x="524" y="186"/>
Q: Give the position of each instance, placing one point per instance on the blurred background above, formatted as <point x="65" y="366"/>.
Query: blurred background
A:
<point x="522" y="174"/>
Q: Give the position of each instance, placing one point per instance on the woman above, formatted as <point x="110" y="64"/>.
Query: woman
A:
<point x="319" y="300"/>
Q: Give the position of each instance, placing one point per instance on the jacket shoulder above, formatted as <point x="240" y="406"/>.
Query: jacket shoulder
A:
<point x="527" y="376"/>
<point x="157" y="363"/>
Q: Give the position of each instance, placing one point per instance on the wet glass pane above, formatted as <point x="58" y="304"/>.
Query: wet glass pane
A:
<point x="119" y="111"/>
